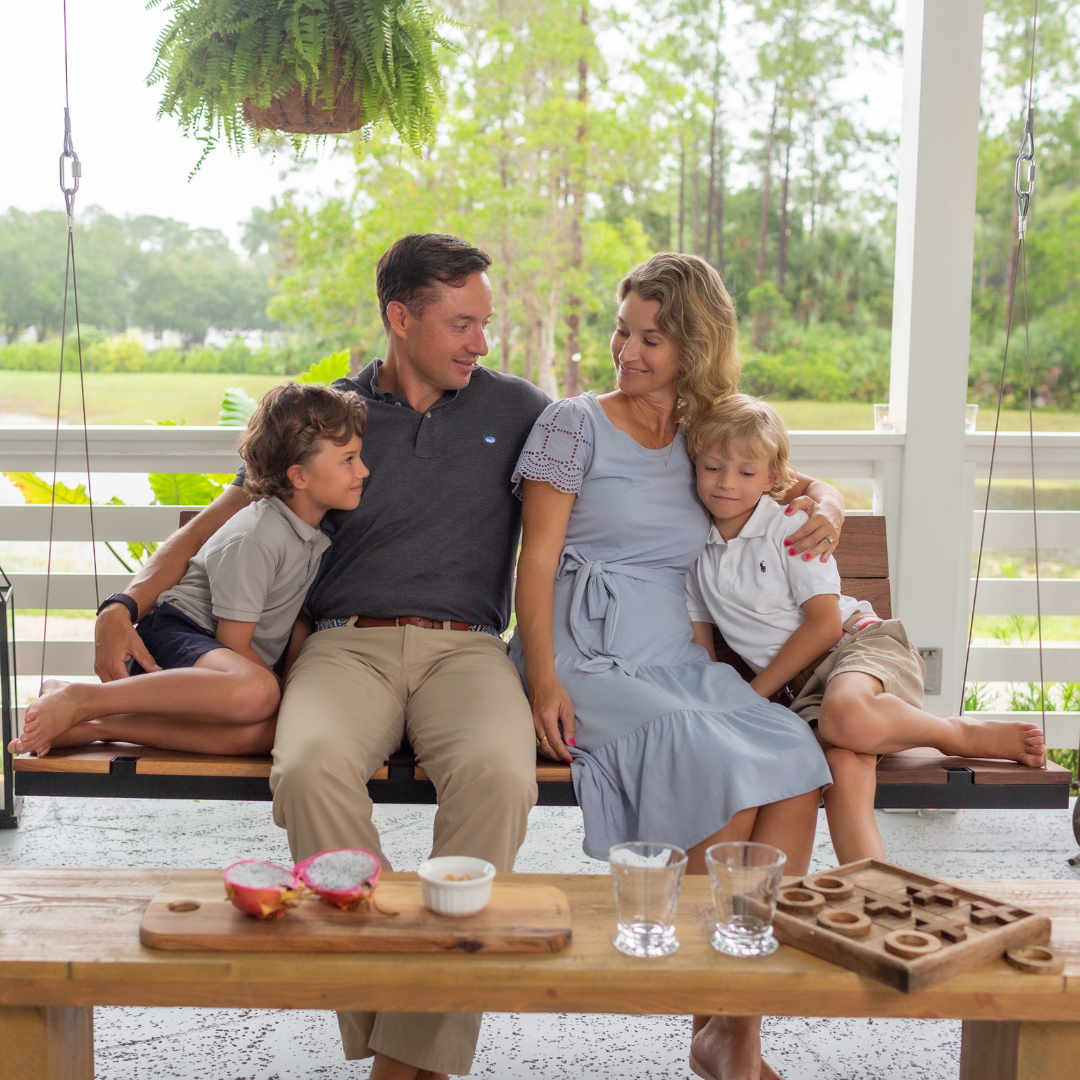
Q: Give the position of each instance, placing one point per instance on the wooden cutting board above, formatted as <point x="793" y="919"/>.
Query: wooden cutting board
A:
<point x="518" y="919"/>
<point x="967" y="928"/>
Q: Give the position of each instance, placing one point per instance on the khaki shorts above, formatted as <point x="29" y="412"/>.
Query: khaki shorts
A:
<point x="881" y="650"/>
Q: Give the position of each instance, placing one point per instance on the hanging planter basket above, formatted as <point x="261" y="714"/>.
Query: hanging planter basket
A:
<point x="230" y="69"/>
<point x="306" y="112"/>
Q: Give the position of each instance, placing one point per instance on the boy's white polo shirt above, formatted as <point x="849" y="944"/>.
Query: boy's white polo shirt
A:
<point x="752" y="588"/>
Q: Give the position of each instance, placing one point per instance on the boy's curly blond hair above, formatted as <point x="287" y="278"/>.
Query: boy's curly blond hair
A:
<point x="749" y="426"/>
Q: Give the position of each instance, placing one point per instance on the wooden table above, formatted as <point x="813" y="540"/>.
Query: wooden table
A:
<point x="69" y="940"/>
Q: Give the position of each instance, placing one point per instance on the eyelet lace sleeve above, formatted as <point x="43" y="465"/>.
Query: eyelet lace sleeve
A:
<point x="558" y="450"/>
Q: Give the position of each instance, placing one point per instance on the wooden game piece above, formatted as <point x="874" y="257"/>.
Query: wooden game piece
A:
<point x="849" y="923"/>
<point x="1036" y="960"/>
<point x="922" y="897"/>
<point x="982" y="915"/>
<point x="899" y="911"/>
<point x="830" y="886"/>
<point x="1004" y="917"/>
<point x="952" y="932"/>
<point x="946" y="898"/>
<point x="910" y="944"/>
<point x="800" y="901"/>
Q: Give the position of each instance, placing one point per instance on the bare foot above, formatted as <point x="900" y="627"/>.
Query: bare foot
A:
<point x="48" y="716"/>
<point x="1001" y="739"/>
<point x="729" y="1048"/>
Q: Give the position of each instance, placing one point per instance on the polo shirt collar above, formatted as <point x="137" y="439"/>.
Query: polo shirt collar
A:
<point x="757" y="525"/>
<point x="370" y="376"/>
<point x="299" y="526"/>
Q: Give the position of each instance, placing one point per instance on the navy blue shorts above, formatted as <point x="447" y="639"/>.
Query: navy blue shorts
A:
<point x="173" y="640"/>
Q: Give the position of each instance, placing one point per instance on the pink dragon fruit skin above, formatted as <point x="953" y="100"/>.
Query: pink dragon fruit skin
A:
<point x="344" y="877"/>
<point x="263" y="890"/>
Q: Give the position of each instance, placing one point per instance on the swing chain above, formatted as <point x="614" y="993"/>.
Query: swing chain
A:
<point x="69" y="155"/>
<point x="1025" y="187"/>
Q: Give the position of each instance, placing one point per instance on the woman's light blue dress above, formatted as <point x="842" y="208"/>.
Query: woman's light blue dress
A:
<point x="669" y="744"/>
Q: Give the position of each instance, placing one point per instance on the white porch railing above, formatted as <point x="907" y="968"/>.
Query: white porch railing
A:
<point x="835" y="454"/>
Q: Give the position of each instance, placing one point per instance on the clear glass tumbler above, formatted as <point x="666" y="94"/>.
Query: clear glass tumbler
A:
<point x="971" y="419"/>
<point x="647" y="879"/>
<point x="745" y="879"/>
<point x="882" y="420"/>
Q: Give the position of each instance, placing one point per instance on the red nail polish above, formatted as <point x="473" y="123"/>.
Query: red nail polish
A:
<point x="788" y="510"/>
<point x="786" y="542"/>
<point x="806" y="557"/>
<point x="571" y="742"/>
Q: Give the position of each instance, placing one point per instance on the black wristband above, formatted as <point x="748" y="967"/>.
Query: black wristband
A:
<point x="121" y="598"/>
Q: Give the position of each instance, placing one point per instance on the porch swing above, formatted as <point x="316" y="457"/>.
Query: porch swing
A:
<point x="911" y="779"/>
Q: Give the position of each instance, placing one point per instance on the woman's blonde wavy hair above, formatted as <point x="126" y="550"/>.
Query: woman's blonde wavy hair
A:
<point x="698" y="315"/>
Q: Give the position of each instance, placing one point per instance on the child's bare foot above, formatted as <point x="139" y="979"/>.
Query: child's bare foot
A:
<point x="56" y="710"/>
<point x="1013" y="740"/>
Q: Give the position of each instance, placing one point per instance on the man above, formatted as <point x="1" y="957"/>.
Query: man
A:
<point x="405" y="614"/>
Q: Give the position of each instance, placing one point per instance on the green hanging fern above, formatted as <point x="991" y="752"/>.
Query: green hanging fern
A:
<point x="215" y="54"/>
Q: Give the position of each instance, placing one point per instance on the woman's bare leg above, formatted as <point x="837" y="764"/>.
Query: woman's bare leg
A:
<point x="388" y="1068"/>
<point x="849" y="806"/>
<point x="729" y="1047"/>
<point x="173" y="733"/>
<point x="858" y="715"/>
<point x="222" y="687"/>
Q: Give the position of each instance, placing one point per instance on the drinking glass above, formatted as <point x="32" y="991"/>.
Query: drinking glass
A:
<point x="647" y="879"/>
<point x="882" y="421"/>
<point x="971" y="415"/>
<point x="745" y="879"/>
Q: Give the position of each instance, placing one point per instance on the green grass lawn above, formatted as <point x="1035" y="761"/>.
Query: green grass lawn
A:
<point x="124" y="397"/>
<point x="135" y="398"/>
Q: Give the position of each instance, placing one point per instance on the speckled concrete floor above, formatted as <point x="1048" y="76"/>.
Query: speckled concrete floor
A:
<point x="208" y="1044"/>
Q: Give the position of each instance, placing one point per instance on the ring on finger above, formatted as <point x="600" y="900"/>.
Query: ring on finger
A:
<point x="829" y="540"/>
<point x="543" y="739"/>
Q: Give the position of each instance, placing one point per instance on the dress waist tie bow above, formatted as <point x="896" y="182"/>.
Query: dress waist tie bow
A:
<point x="595" y="598"/>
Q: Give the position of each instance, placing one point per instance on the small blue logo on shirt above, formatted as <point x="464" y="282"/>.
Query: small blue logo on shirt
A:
<point x="489" y="438"/>
<point x="762" y="565"/>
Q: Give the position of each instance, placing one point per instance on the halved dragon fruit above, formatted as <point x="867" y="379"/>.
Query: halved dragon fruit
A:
<point x="262" y="889"/>
<point x="345" y="877"/>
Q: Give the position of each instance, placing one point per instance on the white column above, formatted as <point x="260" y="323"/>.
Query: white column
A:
<point x="935" y="228"/>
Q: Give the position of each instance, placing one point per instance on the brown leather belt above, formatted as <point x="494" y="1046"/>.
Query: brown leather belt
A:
<point x="363" y="623"/>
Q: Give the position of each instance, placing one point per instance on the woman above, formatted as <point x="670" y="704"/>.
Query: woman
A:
<point x="665" y="744"/>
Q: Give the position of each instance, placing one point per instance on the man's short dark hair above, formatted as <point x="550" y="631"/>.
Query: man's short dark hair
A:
<point x="407" y="272"/>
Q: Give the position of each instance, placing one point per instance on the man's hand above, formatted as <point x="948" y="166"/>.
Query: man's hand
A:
<point x="818" y="537"/>
<point x="115" y="643"/>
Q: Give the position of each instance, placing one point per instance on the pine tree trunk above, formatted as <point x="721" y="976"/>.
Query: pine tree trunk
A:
<point x="682" y="192"/>
<point x="782" y="254"/>
<point x="577" y="241"/>
<point x="761" y="319"/>
<point x="720" y="204"/>
<point x="695" y="164"/>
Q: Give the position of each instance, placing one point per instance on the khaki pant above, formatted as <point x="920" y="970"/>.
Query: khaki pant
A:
<point x="350" y="697"/>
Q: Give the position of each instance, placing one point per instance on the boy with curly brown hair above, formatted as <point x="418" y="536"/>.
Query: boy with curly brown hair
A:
<point x="217" y="636"/>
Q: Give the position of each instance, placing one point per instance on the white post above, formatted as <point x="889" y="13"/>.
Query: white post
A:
<point x="935" y="229"/>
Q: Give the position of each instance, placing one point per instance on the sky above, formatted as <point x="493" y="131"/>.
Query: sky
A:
<point x="133" y="163"/>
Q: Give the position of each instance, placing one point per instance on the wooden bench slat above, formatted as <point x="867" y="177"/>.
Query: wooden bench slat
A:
<point x="862" y="550"/>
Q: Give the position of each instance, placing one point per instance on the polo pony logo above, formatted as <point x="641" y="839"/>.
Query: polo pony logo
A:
<point x="489" y="438"/>
<point x="762" y="565"/>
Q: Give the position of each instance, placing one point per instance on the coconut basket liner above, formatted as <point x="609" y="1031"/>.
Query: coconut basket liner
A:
<point x="296" y="113"/>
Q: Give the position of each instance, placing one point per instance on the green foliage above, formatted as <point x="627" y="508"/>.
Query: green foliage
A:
<point x="188" y="489"/>
<point x="1030" y="698"/>
<point x="215" y="54"/>
<point x="977" y="697"/>
<point x="237" y="405"/>
<point x="1067" y="759"/>
<point x="335" y="366"/>
<point x="35" y="490"/>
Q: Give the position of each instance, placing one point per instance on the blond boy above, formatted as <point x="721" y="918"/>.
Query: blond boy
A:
<point x="853" y="676"/>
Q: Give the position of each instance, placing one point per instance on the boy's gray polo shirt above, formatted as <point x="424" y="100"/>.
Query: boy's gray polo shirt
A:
<point x="436" y="531"/>
<point x="256" y="568"/>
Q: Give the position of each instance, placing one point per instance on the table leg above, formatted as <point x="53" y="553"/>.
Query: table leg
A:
<point x="47" y="1042"/>
<point x="1019" y="1050"/>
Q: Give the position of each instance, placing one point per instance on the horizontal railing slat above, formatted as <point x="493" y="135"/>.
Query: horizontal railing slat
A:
<point x="1020" y="663"/>
<point x="61" y="658"/>
<point x="65" y="591"/>
<point x="1016" y="596"/>
<point x="114" y="523"/>
<point x="1013" y="529"/>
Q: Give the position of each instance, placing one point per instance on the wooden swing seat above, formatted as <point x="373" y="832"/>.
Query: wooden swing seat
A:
<point x="920" y="778"/>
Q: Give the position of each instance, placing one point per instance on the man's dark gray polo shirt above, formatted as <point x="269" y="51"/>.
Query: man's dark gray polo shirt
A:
<point x="436" y="531"/>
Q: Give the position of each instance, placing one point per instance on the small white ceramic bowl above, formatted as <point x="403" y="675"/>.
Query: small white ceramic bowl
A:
<point x="456" y="898"/>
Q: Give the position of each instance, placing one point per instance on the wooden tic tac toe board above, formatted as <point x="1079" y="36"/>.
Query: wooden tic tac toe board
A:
<point x="905" y="929"/>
